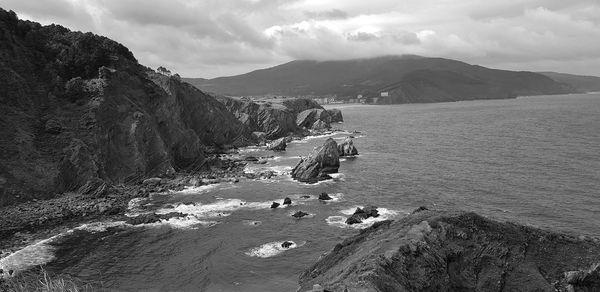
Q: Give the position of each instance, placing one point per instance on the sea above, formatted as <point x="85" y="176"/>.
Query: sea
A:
<point x="530" y="160"/>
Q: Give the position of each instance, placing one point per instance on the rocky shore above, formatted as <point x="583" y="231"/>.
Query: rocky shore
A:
<point x="456" y="251"/>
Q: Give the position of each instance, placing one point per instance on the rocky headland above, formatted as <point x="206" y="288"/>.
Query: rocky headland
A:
<point x="456" y="251"/>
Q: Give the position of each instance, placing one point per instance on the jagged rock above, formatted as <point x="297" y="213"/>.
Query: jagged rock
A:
<point x="321" y="162"/>
<point x="274" y="205"/>
<point x="324" y="197"/>
<point x="152" y="181"/>
<point x="287" y="201"/>
<point x="278" y="145"/>
<point x="300" y="214"/>
<point x="287" y="244"/>
<point x="313" y="119"/>
<point x="362" y="214"/>
<point x="336" y="115"/>
<point x="584" y="280"/>
<point x="455" y="251"/>
<point x="347" y="148"/>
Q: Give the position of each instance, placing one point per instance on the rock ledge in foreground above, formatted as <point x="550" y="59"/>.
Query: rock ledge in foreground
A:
<point x="456" y="251"/>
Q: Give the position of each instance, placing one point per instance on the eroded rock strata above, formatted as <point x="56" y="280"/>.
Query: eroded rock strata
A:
<point x="456" y="251"/>
<point x="317" y="166"/>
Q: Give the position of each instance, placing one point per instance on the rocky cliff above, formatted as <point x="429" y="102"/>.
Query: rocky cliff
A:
<point x="456" y="251"/>
<point x="77" y="109"/>
<point x="275" y="119"/>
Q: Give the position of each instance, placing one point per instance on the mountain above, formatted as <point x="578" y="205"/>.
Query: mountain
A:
<point x="406" y="79"/>
<point x="580" y="82"/>
<point x="78" y="112"/>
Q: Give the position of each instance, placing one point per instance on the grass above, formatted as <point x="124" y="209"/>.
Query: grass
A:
<point x="39" y="280"/>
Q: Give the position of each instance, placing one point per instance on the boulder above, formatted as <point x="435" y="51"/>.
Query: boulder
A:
<point x="287" y="201"/>
<point x="347" y="148"/>
<point x="300" y="214"/>
<point x="251" y="158"/>
<point x="324" y="196"/>
<point x="319" y="164"/>
<point x="274" y="205"/>
<point x="287" y="244"/>
<point x="278" y="145"/>
<point x="336" y="115"/>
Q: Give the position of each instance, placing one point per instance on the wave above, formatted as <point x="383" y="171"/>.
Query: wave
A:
<point x="340" y="221"/>
<point x="272" y="249"/>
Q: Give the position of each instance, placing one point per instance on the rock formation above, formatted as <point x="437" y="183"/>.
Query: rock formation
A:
<point x="314" y="119"/>
<point x="456" y="251"/>
<point x="319" y="164"/>
<point x="278" y="145"/>
<point x="275" y="120"/>
<point x="362" y="214"/>
<point x="347" y="148"/>
<point x="77" y="107"/>
<point x="336" y="115"/>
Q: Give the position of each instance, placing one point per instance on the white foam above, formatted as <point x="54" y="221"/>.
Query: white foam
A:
<point x="252" y="222"/>
<point x="271" y="249"/>
<point x="42" y="252"/>
<point x="185" y="222"/>
<point x="340" y="221"/>
<point x="197" y="190"/>
<point x="220" y="208"/>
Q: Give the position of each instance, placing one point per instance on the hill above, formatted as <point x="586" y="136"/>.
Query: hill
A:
<point x="581" y="83"/>
<point x="406" y="79"/>
<point x="79" y="113"/>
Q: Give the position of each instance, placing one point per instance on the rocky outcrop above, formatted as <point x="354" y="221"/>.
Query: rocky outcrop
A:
<point x="362" y="214"/>
<point x="319" y="164"/>
<point x="336" y="115"/>
<point x="278" y="145"/>
<point x="314" y="119"/>
<point x="347" y="148"/>
<point x="78" y="108"/>
<point x="456" y="251"/>
<point x="274" y="119"/>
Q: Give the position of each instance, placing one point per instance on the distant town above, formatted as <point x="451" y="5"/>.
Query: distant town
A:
<point x="325" y="99"/>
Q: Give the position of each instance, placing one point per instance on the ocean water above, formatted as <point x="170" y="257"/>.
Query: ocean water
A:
<point x="531" y="160"/>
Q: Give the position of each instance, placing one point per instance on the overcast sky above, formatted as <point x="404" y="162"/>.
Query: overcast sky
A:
<point x="210" y="38"/>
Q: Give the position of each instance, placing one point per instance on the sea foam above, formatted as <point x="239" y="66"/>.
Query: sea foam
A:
<point x="271" y="249"/>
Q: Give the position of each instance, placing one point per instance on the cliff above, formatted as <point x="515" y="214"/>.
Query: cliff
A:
<point x="456" y="251"/>
<point x="78" y="110"/>
<point x="406" y="79"/>
<point x="275" y="119"/>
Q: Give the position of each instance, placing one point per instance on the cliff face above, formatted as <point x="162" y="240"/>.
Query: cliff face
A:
<point x="78" y="109"/>
<point x="456" y="251"/>
<point x="274" y="119"/>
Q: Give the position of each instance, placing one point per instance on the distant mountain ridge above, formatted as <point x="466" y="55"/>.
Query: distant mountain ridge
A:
<point x="581" y="83"/>
<point x="406" y="79"/>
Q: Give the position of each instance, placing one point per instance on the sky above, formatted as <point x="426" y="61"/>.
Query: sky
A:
<point x="211" y="38"/>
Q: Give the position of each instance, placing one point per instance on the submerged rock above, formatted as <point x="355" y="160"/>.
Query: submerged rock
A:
<point x="278" y="145"/>
<point x="287" y="201"/>
<point x="319" y="164"/>
<point x="324" y="196"/>
<point x="274" y="205"/>
<point x="347" y="148"/>
<point x="456" y="251"/>
<point x="287" y="244"/>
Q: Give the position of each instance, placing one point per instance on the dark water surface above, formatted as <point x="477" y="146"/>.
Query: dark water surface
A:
<point x="533" y="160"/>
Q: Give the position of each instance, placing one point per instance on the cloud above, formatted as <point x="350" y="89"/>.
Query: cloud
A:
<point x="223" y="37"/>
